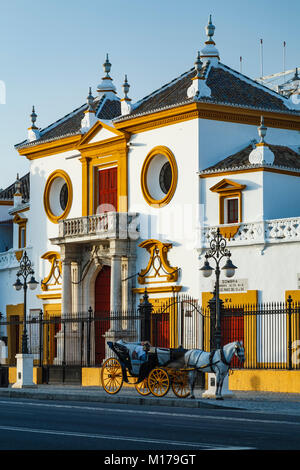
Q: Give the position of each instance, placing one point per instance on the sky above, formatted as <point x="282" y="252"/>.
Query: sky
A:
<point x="51" y="51"/>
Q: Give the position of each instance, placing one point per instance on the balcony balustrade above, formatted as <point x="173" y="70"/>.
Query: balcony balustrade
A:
<point x="117" y="225"/>
<point x="261" y="232"/>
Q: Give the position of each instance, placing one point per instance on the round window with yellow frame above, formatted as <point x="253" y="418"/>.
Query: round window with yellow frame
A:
<point x="159" y="176"/>
<point x="58" y="196"/>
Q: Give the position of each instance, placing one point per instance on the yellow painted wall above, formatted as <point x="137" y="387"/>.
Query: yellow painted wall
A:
<point x="284" y="381"/>
<point x="37" y="375"/>
<point x="91" y="377"/>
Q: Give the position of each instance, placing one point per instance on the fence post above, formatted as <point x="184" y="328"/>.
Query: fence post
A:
<point x="145" y="309"/>
<point x="212" y="305"/>
<point x="64" y="352"/>
<point x="41" y="337"/>
<point x="88" y="336"/>
<point x="289" y="301"/>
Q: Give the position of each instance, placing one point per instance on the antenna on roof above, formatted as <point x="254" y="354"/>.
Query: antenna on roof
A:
<point x="241" y="64"/>
<point x="261" y="59"/>
<point x="284" y="49"/>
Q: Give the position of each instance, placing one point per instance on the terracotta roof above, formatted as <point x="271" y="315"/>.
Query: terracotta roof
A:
<point x="8" y="193"/>
<point x="227" y="87"/>
<point x="71" y="123"/>
<point x="285" y="157"/>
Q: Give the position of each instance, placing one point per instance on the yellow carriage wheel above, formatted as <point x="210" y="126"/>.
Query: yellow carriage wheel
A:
<point x="142" y="387"/>
<point x="180" y="385"/>
<point x="112" y="376"/>
<point x="159" y="382"/>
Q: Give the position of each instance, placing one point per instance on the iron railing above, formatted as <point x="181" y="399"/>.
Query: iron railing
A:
<point x="270" y="333"/>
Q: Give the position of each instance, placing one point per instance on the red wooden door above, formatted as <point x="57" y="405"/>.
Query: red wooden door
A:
<point x="232" y="326"/>
<point x="108" y="190"/>
<point x="102" y="312"/>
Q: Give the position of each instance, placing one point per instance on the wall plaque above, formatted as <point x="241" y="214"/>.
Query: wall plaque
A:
<point x="233" y="285"/>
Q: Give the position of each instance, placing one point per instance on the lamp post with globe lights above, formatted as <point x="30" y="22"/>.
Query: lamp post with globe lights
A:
<point x="24" y="272"/>
<point x="217" y="252"/>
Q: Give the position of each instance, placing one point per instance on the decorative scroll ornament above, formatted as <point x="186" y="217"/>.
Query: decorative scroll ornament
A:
<point x="158" y="268"/>
<point x="53" y="279"/>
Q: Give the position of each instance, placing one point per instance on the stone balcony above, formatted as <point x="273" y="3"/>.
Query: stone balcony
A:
<point x="110" y="225"/>
<point x="262" y="232"/>
<point x="10" y="259"/>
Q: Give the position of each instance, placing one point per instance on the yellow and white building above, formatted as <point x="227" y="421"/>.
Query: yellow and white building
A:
<point x="125" y="195"/>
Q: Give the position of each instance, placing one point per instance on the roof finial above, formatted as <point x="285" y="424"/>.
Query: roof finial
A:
<point x="17" y="186"/>
<point x="210" y="52"/>
<point x="33" y="131"/>
<point x="198" y="66"/>
<point x="106" y="86"/>
<point x="210" y="29"/>
<point x="107" y="66"/>
<point x="198" y="88"/>
<point x="126" y="87"/>
<point x="262" y="130"/>
<point x="261" y="154"/>
<point x="125" y="102"/>
<point x="89" y="118"/>
<point x="33" y="116"/>
<point x="90" y="100"/>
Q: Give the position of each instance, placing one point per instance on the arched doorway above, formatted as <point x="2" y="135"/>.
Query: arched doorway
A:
<point x="102" y="311"/>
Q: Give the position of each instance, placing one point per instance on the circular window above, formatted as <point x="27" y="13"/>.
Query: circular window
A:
<point x="159" y="177"/>
<point x="165" y="177"/>
<point x="58" y="196"/>
<point x="63" y="197"/>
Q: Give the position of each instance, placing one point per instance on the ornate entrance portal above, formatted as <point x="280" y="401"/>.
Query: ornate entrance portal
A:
<point x="102" y="311"/>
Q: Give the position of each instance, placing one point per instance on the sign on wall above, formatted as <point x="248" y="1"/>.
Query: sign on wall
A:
<point x="233" y="285"/>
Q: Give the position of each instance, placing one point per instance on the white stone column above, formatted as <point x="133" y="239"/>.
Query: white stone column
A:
<point x="115" y="284"/>
<point x="66" y="300"/>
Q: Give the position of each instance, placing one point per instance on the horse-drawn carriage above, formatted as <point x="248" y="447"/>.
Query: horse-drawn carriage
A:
<point x="157" y="369"/>
<point x="149" y="375"/>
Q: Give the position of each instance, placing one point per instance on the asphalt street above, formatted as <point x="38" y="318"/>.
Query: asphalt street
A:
<point x="55" y="425"/>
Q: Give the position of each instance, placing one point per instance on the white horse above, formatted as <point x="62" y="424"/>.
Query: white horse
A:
<point x="217" y="361"/>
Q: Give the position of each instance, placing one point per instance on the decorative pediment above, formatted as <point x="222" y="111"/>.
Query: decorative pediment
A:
<point x="101" y="131"/>
<point x="227" y="185"/>
<point x="53" y="279"/>
<point x="158" y="268"/>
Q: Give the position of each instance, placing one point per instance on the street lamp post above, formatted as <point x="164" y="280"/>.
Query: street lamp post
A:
<point x="24" y="272"/>
<point x="218" y="251"/>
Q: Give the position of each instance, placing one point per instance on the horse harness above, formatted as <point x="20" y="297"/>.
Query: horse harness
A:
<point x="211" y="356"/>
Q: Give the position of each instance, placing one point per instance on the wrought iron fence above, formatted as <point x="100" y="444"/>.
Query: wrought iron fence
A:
<point x="270" y="333"/>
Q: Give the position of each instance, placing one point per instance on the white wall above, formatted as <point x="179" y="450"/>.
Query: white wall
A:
<point x="175" y="222"/>
<point x="40" y="228"/>
<point x="271" y="270"/>
<point x="218" y="140"/>
<point x="281" y="195"/>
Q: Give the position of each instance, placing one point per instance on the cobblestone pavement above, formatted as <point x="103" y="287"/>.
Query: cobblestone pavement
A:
<point x="279" y="403"/>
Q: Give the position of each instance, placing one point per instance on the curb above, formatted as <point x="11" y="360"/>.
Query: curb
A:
<point x="86" y="397"/>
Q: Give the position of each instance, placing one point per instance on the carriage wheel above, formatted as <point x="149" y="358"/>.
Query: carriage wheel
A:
<point x="180" y="384"/>
<point x="159" y="382"/>
<point x="142" y="387"/>
<point x="112" y="376"/>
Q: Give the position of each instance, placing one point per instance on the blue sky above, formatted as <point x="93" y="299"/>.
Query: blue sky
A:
<point x="52" y="51"/>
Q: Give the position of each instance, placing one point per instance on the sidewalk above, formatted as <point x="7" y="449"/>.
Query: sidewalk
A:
<point x="275" y="403"/>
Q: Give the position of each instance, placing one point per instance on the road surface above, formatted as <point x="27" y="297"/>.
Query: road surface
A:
<point x="48" y="425"/>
